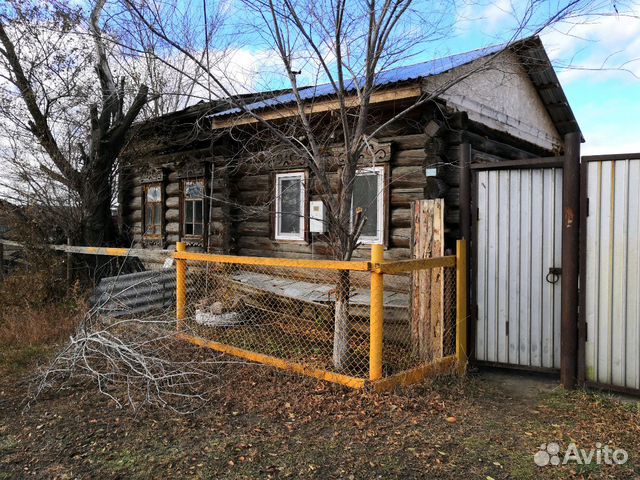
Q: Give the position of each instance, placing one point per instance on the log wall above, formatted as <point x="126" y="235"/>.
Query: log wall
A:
<point x="240" y="217"/>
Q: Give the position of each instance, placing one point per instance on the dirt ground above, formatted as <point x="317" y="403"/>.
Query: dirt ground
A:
<point x="261" y="423"/>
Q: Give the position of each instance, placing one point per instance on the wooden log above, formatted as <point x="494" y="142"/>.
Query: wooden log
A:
<point x="416" y="140"/>
<point x="172" y="215"/>
<point x="408" y="158"/>
<point x="427" y="286"/>
<point x="401" y="218"/>
<point x="173" y="238"/>
<point x="216" y="212"/>
<point x="172" y="227"/>
<point x="217" y="227"/>
<point x="135" y="204"/>
<point x="253" y="229"/>
<point x="172" y="202"/>
<point x="402" y="197"/>
<point x="254" y="198"/>
<point x="400" y="237"/>
<point x="452" y="197"/>
<point x="452" y="216"/>
<point x="408" y="177"/>
<point x="489" y="146"/>
<point x="172" y="189"/>
<point x="253" y="182"/>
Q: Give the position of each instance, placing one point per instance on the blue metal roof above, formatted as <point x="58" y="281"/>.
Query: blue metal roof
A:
<point x="384" y="78"/>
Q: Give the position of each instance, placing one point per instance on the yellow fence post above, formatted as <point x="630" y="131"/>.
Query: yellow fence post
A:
<point x="377" y="315"/>
<point x="461" y="305"/>
<point x="181" y="286"/>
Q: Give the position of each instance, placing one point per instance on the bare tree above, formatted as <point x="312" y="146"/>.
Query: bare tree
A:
<point x="86" y="168"/>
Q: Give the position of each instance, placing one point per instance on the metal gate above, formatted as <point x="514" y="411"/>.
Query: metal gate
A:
<point x="611" y="275"/>
<point x="517" y="252"/>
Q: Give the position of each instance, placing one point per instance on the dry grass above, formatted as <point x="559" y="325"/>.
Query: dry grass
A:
<point x="36" y="311"/>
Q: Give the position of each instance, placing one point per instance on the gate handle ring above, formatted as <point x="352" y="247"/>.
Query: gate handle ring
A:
<point x="554" y="275"/>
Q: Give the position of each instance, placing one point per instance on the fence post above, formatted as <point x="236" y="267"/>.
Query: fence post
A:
<point x="181" y="286"/>
<point x="376" y="326"/>
<point x="461" y="305"/>
<point x="69" y="263"/>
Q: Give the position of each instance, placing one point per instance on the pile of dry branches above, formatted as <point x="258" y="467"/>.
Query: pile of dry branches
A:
<point x="136" y="362"/>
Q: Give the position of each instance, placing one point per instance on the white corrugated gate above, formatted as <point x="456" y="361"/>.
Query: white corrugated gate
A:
<point x="612" y="298"/>
<point x="518" y="239"/>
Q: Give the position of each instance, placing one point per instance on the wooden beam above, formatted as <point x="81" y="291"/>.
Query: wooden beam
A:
<point x="401" y="266"/>
<point x="546" y="162"/>
<point x="274" y="262"/>
<point x="493" y="147"/>
<point x="427" y="286"/>
<point x="145" y="254"/>
<point x="317" y="107"/>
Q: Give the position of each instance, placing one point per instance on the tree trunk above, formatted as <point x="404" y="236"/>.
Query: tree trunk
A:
<point x="341" y="330"/>
<point x="98" y="228"/>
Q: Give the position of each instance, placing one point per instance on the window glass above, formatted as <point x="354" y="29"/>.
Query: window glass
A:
<point x="153" y="209"/>
<point x="153" y="193"/>
<point x="193" y="189"/>
<point x="290" y="208"/>
<point x="189" y="212"/>
<point x="193" y="207"/>
<point x="365" y="196"/>
<point x="290" y="205"/>
<point x="197" y="207"/>
<point x="158" y="215"/>
<point x="369" y="196"/>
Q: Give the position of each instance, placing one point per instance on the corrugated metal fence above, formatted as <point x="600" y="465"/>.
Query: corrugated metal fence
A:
<point x="136" y="293"/>
<point x="518" y="230"/>
<point x="612" y="277"/>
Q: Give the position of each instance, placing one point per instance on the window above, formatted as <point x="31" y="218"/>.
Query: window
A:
<point x="368" y="194"/>
<point x="290" y="206"/>
<point x="193" y="208"/>
<point x="152" y="210"/>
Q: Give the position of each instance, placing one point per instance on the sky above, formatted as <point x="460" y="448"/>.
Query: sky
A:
<point x="597" y="62"/>
<point x="597" y="58"/>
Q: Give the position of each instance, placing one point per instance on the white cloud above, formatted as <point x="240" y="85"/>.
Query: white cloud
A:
<point x="491" y="16"/>
<point x="608" y="45"/>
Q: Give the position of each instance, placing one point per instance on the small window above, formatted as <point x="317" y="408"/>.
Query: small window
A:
<point x="152" y="210"/>
<point x="193" y="207"/>
<point x="290" y="206"/>
<point x="368" y="194"/>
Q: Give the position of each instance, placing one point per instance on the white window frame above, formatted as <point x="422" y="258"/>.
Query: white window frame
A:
<point x="290" y="236"/>
<point x="379" y="237"/>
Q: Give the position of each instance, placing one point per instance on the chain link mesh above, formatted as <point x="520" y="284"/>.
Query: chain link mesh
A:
<point x="320" y="318"/>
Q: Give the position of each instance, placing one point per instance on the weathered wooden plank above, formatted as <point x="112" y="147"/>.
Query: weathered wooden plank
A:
<point x="427" y="286"/>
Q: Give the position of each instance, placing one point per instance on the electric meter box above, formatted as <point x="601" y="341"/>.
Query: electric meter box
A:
<point x="316" y="217"/>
